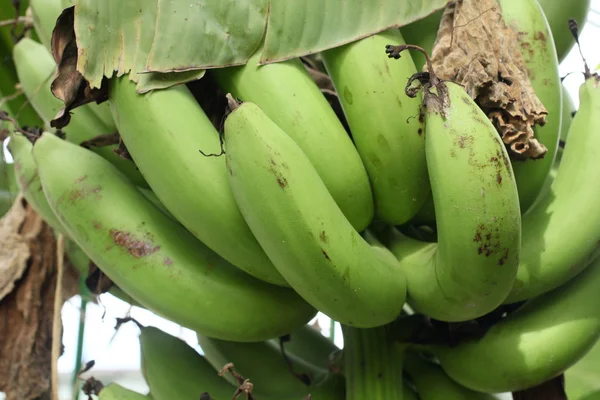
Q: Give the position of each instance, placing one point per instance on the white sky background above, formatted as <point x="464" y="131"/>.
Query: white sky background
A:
<point x="119" y="353"/>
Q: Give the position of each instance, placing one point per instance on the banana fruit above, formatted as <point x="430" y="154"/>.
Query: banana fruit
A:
<point x="384" y="121"/>
<point x="537" y="342"/>
<point x="153" y="258"/>
<point x="539" y="56"/>
<point x="302" y="229"/>
<point x="114" y="391"/>
<point x="35" y="68"/>
<point x="472" y="267"/>
<point x="287" y="94"/>
<point x="193" y="187"/>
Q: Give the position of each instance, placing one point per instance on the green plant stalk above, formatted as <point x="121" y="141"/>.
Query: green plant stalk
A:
<point x="384" y="122"/>
<point x="373" y="368"/>
<point x="153" y="258"/>
<point x="287" y="94"/>
<point x="80" y="338"/>
<point x="539" y="55"/>
<point x="192" y="186"/>
<point x="302" y="229"/>
<point x="536" y="343"/>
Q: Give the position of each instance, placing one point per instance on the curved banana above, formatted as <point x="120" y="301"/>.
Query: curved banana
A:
<point x="35" y="68"/>
<point x="289" y="96"/>
<point x="192" y="186"/>
<point x="472" y="267"/>
<point x="114" y="391"/>
<point x="590" y="396"/>
<point x="558" y="14"/>
<point x="422" y="33"/>
<point x="269" y="371"/>
<point x="537" y="342"/>
<point x="309" y="345"/>
<point x="302" y="229"/>
<point x="153" y="258"/>
<point x="384" y="122"/>
<point x="539" y="55"/>
<point x="432" y="383"/>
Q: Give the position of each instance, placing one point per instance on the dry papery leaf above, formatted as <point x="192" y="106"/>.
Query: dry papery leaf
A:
<point x="27" y="288"/>
<point x="476" y="49"/>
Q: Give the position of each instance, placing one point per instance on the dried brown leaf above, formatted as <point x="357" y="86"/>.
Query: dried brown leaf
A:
<point x="476" y="49"/>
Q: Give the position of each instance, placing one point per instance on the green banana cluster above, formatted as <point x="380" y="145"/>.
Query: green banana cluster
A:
<point x="404" y="206"/>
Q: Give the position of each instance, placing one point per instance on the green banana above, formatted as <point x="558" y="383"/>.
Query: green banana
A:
<point x="544" y="264"/>
<point x="537" y="342"/>
<point x="153" y="258"/>
<point x="288" y="95"/>
<point x="590" y="396"/>
<point x="114" y="391"/>
<point x="558" y="14"/>
<point x="35" y="68"/>
<point x="472" y="267"/>
<point x="309" y="345"/>
<point x="539" y="55"/>
<point x="384" y="123"/>
<point x="192" y="187"/>
<point x="274" y="377"/>
<point x="422" y="33"/>
<point x="432" y="383"/>
<point x="302" y="229"/>
<point x="408" y="393"/>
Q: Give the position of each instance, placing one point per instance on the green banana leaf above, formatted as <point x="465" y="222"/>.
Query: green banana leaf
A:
<point x="583" y="378"/>
<point x="166" y="36"/>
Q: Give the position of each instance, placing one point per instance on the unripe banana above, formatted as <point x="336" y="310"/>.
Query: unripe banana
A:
<point x="572" y="197"/>
<point x="114" y="391"/>
<point x="192" y="186"/>
<point x="309" y="345"/>
<point x="384" y="122"/>
<point x="591" y="396"/>
<point x="558" y="14"/>
<point x="153" y="258"/>
<point x="289" y="96"/>
<point x="302" y="229"/>
<point x="535" y="343"/>
<point x="269" y="371"/>
<point x="35" y="68"/>
<point x="472" y="267"/>
<point x="432" y="383"/>
<point x="539" y="55"/>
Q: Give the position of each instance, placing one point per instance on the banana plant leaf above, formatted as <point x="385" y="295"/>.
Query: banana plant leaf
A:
<point x="137" y="37"/>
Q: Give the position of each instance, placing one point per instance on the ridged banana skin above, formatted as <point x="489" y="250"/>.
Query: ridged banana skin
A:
<point x="192" y="186"/>
<point x="566" y="217"/>
<point x="534" y="344"/>
<point x="175" y="371"/>
<point x="35" y="68"/>
<point x="114" y="391"/>
<point x="558" y="14"/>
<point x="539" y="54"/>
<point x="471" y="269"/>
<point x="153" y="258"/>
<point x="433" y="383"/>
<point x="303" y="231"/>
<point x="268" y="371"/>
<point x="288" y="95"/>
<point x="384" y="122"/>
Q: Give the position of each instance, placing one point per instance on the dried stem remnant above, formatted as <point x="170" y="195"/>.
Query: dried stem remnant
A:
<point x="476" y="49"/>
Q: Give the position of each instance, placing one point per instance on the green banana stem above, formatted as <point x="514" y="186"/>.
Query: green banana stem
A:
<point x="372" y="364"/>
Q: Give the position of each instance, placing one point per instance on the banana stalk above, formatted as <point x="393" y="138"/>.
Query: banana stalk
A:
<point x="537" y="342"/>
<point x="287" y="94"/>
<point x="384" y="123"/>
<point x="539" y="55"/>
<point x="302" y="229"/>
<point x="472" y="267"/>
<point x="191" y="185"/>
<point x="153" y="258"/>
<point x="35" y="69"/>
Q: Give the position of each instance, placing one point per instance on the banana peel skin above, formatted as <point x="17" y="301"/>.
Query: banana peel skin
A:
<point x="154" y="259"/>
<point x="114" y="391"/>
<point x="472" y="267"/>
<point x="302" y="229"/>
<point x="535" y="343"/>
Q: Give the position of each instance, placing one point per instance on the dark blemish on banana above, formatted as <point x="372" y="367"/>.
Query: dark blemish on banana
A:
<point x="499" y="178"/>
<point x="326" y="255"/>
<point x="168" y="261"/>
<point x="135" y="247"/>
<point x="503" y="259"/>
<point x="461" y="142"/>
<point x="420" y="131"/>
<point x="97" y="225"/>
<point x="282" y="182"/>
<point x="323" y="237"/>
<point x="78" y="180"/>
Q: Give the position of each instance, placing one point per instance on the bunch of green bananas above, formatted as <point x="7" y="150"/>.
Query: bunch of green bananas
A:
<point x="244" y="232"/>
